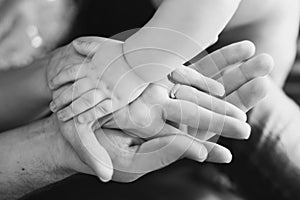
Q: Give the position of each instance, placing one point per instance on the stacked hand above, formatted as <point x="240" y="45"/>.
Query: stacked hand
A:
<point x="151" y="121"/>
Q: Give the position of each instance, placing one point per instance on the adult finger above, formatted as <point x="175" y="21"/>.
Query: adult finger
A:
<point x="162" y="151"/>
<point x="190" y="114"/>
<point x="247" y="96"/>
<point x="259" y="66"/>
<point x="89" y="150"/>
<point x="217" y="61"/>
<point x="216" y="152"/>
<point x="209" y="102"/>
<point x="191" y="77"/>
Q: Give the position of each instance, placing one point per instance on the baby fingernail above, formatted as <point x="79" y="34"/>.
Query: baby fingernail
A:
<point x="53" y="107"/>
<point x="51" y="85"/>
<point x="81" y="119"/>
<point x="61" y="116"/>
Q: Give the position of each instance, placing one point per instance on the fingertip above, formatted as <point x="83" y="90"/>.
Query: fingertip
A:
<point x="53" y="107"/>
<point x="248" y="47"/>
<point x="219" y="154"/>
<point x="85" y="48"/>
<point x="247" y="133"/>
<point x="203" y="154"/>
<point x="62" y="116"/>
<point x="216" y="88"/>
<point x="267" y="62"/>
<point x="51" y="85"/>
<point x="106" y="176"/>
<point x="104" y="171"/>
<point x="81" y="119"/>
<point x="220" y="90"/>
<point x="227" y="156"/>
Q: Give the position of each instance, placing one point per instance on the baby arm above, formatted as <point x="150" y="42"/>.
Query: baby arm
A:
<point x="162" y="45"/>
<point x="178" y="31"/>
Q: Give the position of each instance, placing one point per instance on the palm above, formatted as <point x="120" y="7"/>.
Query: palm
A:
<point x="145" y="116"/>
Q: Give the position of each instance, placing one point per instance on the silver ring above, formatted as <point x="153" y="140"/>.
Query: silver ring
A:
<point x="174" y="91"/>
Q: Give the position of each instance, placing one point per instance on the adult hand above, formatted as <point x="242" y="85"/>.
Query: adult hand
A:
<point x="132" y="157"/>
<point x="246" y="83"/>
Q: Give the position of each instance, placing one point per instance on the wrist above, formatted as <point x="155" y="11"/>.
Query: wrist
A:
<point x="65" y="157"/>
<point x="60" y="151"/>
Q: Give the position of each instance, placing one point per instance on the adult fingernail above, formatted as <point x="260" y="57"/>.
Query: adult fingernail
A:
<point x="221" y="90"/>
<point x="227" y="156"/>
<point x="53" y="107"/>
<point x="202" y="154"/>
<point x="248" y="132"/>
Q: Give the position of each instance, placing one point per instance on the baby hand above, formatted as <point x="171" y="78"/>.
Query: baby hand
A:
<point x="106" y="76"/>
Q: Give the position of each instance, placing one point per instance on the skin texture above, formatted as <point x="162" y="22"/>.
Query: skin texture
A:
<point x="140" y="125"/>
<point x="256" y="25"/>
<point x="156" y="94"/>
<point x="167" y="41"/>
<point x="60" y="160"/>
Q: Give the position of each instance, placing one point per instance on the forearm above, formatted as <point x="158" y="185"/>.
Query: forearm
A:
<point x="178" y="31"/>
<point x="29" y="159"/>
<point x="24" y="95"/>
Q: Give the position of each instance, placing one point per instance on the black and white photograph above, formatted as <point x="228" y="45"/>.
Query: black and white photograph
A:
<point x="150" y="99"/>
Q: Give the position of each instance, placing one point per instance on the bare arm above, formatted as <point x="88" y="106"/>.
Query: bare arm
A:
<point x="31" y="158"/>
<point x="178" y="31"/>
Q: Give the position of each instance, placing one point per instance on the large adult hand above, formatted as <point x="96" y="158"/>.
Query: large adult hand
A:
<point x="243" y="75"/>
<point x="85" y="141"/>
<point x="133" y="158"/>
<point x="246" y="83"/>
